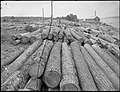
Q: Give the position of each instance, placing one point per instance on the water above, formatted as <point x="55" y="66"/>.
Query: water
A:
<point x="111" y="21"/>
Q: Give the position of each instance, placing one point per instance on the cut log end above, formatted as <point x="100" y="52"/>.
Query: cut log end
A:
<point x="32" y="39"/>
<point x="69" y="87"/>
<point x="52" y="79"/>
<point x="50" y="36"/>
<point x="89" y="42"/>
<point x="24" y="40"/>
<point x="34" y="72"/>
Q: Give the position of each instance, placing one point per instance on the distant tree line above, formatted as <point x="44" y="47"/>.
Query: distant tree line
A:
<point x="70" y="17"/>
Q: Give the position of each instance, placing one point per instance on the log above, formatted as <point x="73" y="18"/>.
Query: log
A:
<point x="56" y="31"/>
<point x="25" y="40"/>
<point x="19" y="61"/>
<point x="106" y="69"/>
<point x="11" y="57"/>
<point x="44" y="57"/>
<point x="24" y="90"/>
<point x="80" y="39"/>
<point x="81" y="34"/>
<point x="38" y="36"/>
<point x="117" y="43"/>
<point x="93" y="41"/>
<point x="114" y="51"/>
<point x="101" y="80"/>
<point x="111" y="55"/>
<point x="32" y="39"/>
<point x="60" y="40"/>
<point x="66" y="40"/>
<point x="33" y="60"/>
<point x="15" y="81"/>
<point x="108" y="60"/>
<point x="34" y="84"/>
<point x="15" y="42"/>
<point x="50" y="36"/>
<point x="85" y="77"/>
<point x="69" y="81"/>
<point x="13" y="37"/>
<point x="115" y="37"/>
<point x="89" y="42"/>
<point x="107" y="38"/>
<point x="61" y="34"/>
<point x="53" y="89"/>
<point x="55" y="38"/>
<point x="52" y="73"/>
<point x="18" y="36"/>
<point x="45" y="33"/>
<point x="67" y="33"/>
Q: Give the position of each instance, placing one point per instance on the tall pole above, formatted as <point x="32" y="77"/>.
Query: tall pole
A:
<point x="51" y="11"/>
<point x="43" y="13"/>
<point x="95" y="13"/>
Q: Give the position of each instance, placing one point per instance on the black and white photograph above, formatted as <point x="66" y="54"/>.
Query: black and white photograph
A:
<point x="60" y="45"/>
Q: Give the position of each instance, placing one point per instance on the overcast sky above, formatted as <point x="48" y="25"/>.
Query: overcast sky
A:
<point x="82" y="9"/>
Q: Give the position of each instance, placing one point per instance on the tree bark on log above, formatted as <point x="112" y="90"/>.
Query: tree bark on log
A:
<point x="33" y="59"/>
<point x="85" y="77"/>
<point x="56" y="31"/>
<point x="81" y="34"/>
<point x="67" y="33"/>
<point x="113" y="65"/>
<point x="66" y="40"/>
<point x="69" y="80"/>
<point x="52" y="75"/>
<point x="102" y="82"/>
<point x="45" y="33"/>
<point x="111" y="55"/>
<point x="44" y="57"/>
<point x="19" y="61"/>
<point x="107" y="38"/>
<point x="61" y="34"/>
<point x="34" y="84"/>
<point x="9" y="59"/>
<point x="50" y="36"/>
<point x="80" y="39"/>
<point x="53" y="89"/>
<point x="16" y="80"/>
<point x="106" y="69"/>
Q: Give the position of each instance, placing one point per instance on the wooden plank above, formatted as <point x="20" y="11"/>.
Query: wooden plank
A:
<point x="85" y="77"/>
<point x="101" y="80"/>
<point x="106" y="69"/>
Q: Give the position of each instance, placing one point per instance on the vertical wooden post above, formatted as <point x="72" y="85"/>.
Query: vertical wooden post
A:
<point x="43" y="14"/>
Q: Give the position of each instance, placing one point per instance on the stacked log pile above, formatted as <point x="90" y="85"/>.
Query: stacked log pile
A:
<point x="62" y="57"/>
